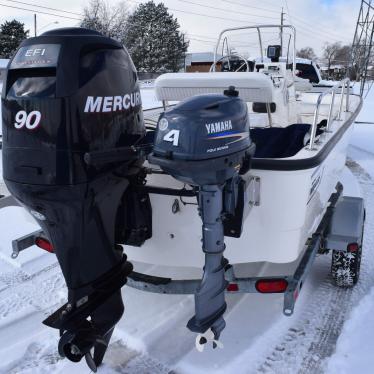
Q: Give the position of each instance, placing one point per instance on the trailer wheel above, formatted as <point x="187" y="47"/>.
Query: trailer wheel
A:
<point x="345" y="267"/>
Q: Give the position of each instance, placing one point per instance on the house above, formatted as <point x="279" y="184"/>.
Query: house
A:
<point x="336" y="72"/>
<point x="199" y="61"/>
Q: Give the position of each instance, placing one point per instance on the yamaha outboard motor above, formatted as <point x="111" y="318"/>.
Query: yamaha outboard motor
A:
<point x="205" y="141"/>
<point x="70" y="101"/>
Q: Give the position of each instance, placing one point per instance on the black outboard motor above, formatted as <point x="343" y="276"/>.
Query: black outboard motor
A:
<point x="205" y="141"/>
<point x="70" y="93"/>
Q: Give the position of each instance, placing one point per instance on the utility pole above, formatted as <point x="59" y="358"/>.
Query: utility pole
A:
<point x="281" y="31"/>
<point x="362" y="47"/>
<point x="34" y="24"/>
<point x="184" y="55"/>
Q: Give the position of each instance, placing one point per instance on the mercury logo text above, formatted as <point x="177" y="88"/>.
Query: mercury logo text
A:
<point x="112" y="103"/>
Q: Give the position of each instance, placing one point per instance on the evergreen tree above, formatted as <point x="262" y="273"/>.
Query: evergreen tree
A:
<point x="153" y="39"/>
<point x="12" y="33"/>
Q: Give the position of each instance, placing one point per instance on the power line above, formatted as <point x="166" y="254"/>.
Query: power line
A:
<point x="314" y="29"/>
<point x="205" y="15"/>
<point x="39" y="11"/>
<point x="288" y="11"/>
<point x="315" y="32"/>
<point x="270" y="3"/>
<point x="323" y="38"/>
<point x="200" y="14"/>
<point x="202" y="36"/>
<point x="225" y="10"/>
<point x="43" y="7"/>
<point x="203" y="41"/>
<point x="313" y="25"/>
<point x="250" y="6"/>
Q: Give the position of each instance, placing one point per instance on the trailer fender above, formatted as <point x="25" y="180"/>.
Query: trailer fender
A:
<point x="347" y="224"/>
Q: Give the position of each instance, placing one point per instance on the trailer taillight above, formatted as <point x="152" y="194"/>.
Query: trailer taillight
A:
<point x="352" y="247"/>
<point x="232" y="287"/>
<point x="271" y="285"/>
<point x="44" y="244"/>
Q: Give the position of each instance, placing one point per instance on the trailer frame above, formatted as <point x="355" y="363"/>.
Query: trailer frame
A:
<point x="316" y="244"/>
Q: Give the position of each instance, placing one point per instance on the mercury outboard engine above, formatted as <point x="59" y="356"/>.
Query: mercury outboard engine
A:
<point x="70" y="102"/>
<point x="205" y="141"/>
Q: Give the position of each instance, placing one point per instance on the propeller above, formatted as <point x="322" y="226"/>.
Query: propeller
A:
<point x="208" y="337"/>
<point x="75" y="346"/>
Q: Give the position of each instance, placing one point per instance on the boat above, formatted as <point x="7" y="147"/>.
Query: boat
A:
<point x="294" y="185"/>
<point x="242" y="167"/>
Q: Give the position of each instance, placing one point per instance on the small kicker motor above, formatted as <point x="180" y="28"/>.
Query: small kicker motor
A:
<point x="205" y="141"/>
<point x="71" y="102"/>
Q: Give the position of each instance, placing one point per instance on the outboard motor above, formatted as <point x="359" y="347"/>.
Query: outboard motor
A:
<point x="70" y="102"/>
<point x="205" y="141"/>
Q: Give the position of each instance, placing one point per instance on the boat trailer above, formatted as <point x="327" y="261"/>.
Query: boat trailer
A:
<point x="290" y="285"/>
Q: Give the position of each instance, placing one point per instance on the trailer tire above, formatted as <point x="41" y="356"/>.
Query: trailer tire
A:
<point x="345" y="268"/>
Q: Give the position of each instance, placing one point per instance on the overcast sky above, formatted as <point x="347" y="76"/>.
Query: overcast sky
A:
<point x="317" y="21"/>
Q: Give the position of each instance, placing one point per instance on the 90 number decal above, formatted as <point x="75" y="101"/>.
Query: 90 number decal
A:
<point x="30" y="120"/>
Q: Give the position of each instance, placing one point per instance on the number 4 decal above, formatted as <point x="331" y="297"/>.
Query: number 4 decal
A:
<point x="173" y="137"/>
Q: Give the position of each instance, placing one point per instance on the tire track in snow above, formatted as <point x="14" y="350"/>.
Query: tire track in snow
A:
<point x="312" y="339"/>
<point x="17" y="277"/>
<point x="43" y="358"/>
<point x="43" y="291"/>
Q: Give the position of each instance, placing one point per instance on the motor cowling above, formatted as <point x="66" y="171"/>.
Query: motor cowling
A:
<point x="205" y="141"/>
<point x="68" y="93"/>
<point x="203" y="127"/>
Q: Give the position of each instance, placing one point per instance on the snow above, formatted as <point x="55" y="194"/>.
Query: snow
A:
<point x="355" y="347"/>
<point x="3" y="63"/>
<point x="363" y="135"/>
<point x="330" y="331"/>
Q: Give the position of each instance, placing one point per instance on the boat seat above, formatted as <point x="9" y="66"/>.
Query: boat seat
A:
<point x="252" y="87"/>
<point x="279" y="142"/>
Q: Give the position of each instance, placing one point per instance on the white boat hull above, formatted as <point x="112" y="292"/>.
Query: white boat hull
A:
<point x="291" y="206"/>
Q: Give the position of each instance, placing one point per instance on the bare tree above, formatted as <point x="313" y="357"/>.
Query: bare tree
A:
<point x="330" y="51"/>
<point x="107" y="19"/>
<point x="307" y="52"/>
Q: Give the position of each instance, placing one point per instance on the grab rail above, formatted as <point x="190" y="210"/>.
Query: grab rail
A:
<point x="345" y="88"/>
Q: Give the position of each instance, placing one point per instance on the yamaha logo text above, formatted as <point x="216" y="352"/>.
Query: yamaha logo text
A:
<point x="214" y="128"/>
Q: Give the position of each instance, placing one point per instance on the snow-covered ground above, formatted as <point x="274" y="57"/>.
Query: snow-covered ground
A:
<point x="330" y="332"/>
